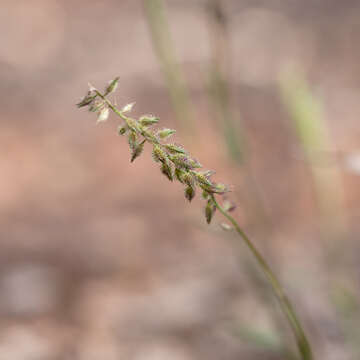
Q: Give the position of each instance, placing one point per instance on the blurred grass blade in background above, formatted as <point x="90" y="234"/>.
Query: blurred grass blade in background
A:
<point x="163" y="45"/>
<point x="219" y="80"/>
<point x="347" y="305"/>
<point x="313" y="134"/>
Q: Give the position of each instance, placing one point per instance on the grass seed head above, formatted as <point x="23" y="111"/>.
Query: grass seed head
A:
<point x="175" y="161"/>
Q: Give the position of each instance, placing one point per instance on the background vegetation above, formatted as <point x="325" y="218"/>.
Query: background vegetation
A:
<point x="103" y="260"/>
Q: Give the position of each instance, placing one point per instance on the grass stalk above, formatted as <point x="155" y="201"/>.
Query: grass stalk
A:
<point x="285" y="304"/>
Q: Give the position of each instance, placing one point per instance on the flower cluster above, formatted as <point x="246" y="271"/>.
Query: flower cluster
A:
<point x="177" y="164"/>
<point x="175" y="161"/>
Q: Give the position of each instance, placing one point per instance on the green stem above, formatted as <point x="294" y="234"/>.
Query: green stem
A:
<point x="121" y="114"/>
<point x="286" y="306"/>
<point x="111" y="106"/>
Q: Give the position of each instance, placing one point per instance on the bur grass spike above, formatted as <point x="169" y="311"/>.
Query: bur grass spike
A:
<point x="177" y="164"/>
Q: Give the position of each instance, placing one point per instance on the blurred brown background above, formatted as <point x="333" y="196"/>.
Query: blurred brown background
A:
<point x="103" y="259"/>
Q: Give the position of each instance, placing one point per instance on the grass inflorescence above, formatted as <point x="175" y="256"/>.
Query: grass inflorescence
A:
<point x="174" y="160"/>
<point x="178" y="165"/>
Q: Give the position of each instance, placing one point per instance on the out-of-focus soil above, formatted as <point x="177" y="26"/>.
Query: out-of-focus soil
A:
<point x="103" y="259"/>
